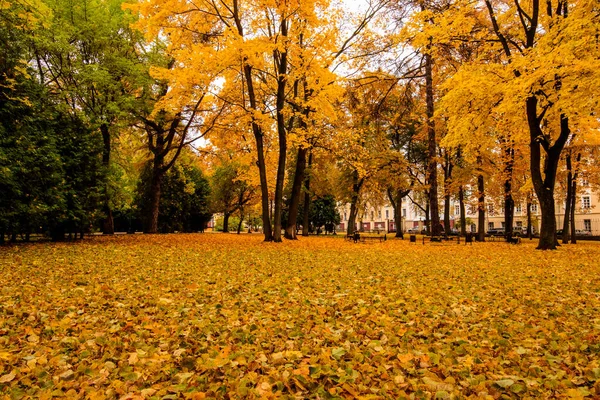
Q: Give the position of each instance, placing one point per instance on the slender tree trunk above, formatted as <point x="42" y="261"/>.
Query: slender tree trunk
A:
<point x="529" y="226"/>
<point x="565" y="233"/>
<point x="481" y="208"/>
<point x="282" y="69"/>
<point x="431" y="149"/>
<point x="290" y="230"/>
<point x="463" y="217"/>
<point x="427" y="219"/>
<point x="239" y="227"/>
<point x="448" y="167"/>
<point x="574" y="202"/>
<point x="108" y="226"/>
<point x="573" y="205"/>
<point x="305" y="218"/>
<point x="260" y="152"/>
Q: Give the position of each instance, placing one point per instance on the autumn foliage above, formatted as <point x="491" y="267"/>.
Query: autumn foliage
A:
<point x="225" y="316"/>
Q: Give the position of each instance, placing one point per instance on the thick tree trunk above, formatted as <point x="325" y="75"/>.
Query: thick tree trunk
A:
<point x="509" y="202"/>
<point x="305" y="220"/>
<point x="356" y="186"/>
<point x="544" y="179"/>
<point x="447" y="214"/>
<point x="395" y="198"/>
<point x="155" y="191"/>
<point x="431" y="149"/>
<point x="565" y="233"/>
<point x="226" y="223"/>
<point x="463" y="217"/>
<point x="290" y="229"/>
<point x="480" y="208"/>
<point x="108" y="226"/>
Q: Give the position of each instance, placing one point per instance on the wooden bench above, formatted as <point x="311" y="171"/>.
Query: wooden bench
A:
<point x="364" y="239"/>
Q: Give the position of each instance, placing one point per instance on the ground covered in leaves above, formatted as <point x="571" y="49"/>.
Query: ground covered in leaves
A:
<point x="227" y="316"/>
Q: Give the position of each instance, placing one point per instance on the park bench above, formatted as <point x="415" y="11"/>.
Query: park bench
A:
<point x="365" y="239"/>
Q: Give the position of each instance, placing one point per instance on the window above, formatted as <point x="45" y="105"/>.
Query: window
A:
<point x="585" y="182"/>
<point x="518" y="208"/>
<point x="372" y="215"/>
<point x="457" y="209"/>
<point x="345" y="217"/>
<point x="387" y="214"/>
<point x="503" y="225"/>
<point x="404" y="212"/>
<point x="379" y="214"/>
<point x="519" y="224"/>
<point x="586" y="202"/>
<point x="534" y="208"/>
<point x="473" y="228"/>
<point x="587" y="225"/>
<point x="490" y="225"/>
<point x="490" y="208"/>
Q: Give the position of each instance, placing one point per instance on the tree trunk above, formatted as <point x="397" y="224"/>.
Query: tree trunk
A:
<point x="239" y="228"/>
<point x="108" y="226"/>
<point x="155" y="190"/>
<point x="396" y="201"/>
<point x="280" y="57"/>
<point x="544" y="178"/>
<point x="481" y="209"/>
<point x="260" y="153"/>
<point x="529" y="227"/>
<point x="447" y="182"/>
<point x="226" y="223"/>
<point x="509" y="202"/>
<point x="573" y="205"/>
<point x="431" y="149"/>
<point x="290" y="229"/>
<point x="356" y="186"/>
<point x="463" y="217"/>
<point x="574" y="201"/>
<point x="565" y="233"/>
<point x="305" y="221"/>
<point x="427" y="219"/>
<point x="398" y="216"/>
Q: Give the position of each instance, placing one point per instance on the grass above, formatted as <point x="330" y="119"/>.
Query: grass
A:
<point x="228" y="316"/>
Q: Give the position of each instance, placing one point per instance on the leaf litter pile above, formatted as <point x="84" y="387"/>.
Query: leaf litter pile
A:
<point x="227" y="316"/>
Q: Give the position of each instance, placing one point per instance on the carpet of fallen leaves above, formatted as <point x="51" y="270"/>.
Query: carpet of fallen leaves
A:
<point x="227" y="316"/>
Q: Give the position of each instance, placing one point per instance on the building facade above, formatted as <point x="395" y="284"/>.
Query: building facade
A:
<point x="381" y="218"/>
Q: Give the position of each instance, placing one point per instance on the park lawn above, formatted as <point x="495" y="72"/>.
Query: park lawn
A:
<point x="228" y="316"/>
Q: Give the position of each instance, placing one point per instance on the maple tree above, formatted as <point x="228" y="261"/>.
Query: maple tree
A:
<point x="543" y="98"/>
